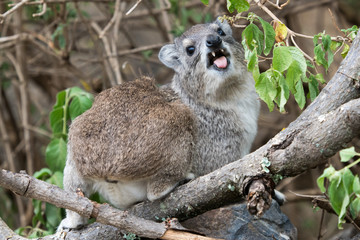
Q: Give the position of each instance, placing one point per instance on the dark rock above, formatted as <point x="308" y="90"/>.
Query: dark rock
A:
<point x="235" y="222"/>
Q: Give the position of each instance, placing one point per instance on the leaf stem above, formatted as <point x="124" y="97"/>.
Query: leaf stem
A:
<point x="353" y="164"/>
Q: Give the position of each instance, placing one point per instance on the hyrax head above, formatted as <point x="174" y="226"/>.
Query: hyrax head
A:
<point x="206" y="59"/>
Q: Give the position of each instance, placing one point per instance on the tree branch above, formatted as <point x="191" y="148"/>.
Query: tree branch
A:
<point x="27" y="186"/>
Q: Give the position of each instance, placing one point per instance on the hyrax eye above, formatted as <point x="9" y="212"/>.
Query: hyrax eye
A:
<point x="221" y="32"/>
<point x="190" y="50"/>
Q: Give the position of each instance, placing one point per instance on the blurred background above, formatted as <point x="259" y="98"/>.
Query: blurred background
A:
<point x="95" y="45"/>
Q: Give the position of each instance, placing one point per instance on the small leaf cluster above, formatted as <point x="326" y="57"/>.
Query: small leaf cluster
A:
<point x="323" y="51"/>
<point x="343" y="189"/>
<point x="350" y="33"/>
<point x="70" y="103"/>
<point x="288" y="70"/>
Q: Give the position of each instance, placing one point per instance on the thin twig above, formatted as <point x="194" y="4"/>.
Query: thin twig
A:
<point x="43" y="11"/>
<point x="112" y="20"/>
<point x="11" y="10"/>
<point x="107" y="48"/>
<point x="133" y="7"/>
<point x="305" y="54"/>
<point x="321" y="224"/>
<point x="334" y="23"/>
<point x="166" y="20"/>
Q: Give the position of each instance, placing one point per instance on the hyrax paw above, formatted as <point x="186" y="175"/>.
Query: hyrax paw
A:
<point x="68" y="224"/>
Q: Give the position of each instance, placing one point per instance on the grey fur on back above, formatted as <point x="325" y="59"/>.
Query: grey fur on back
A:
<point x="138" y="142"/>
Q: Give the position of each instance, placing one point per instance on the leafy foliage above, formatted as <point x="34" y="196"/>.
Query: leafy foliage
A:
<point x="289" y="70"/>
<point x="323" y="53"/>
<point x="343" y="188"/>
<point x="70" y="103"/>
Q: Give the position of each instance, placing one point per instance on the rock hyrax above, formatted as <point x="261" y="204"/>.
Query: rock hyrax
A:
<point x="138" y="142"/>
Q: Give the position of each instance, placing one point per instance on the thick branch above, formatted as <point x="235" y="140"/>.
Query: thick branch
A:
<point x="25" y="185"/>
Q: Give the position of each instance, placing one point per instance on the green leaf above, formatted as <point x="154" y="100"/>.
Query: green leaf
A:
<point x="42" y="173"/>
<point x="253" y="65"/>
<point x="55" y="154"/>
<point x="336" y="193"/>
<point x="355" y="208"/>
<point x="300" y="95"/>
<point x="345" y="50"/>
<point x="284" y="93"/>
<point x="356" y="185"/>
<point x="56" y="179"/>
<point x="298" y="56"/>
<point x="328" y="172"/>
<point x="347" y="179"/>
<point x="347" y="154"/>
<point x="57" y="120"/>
<point x="309" y="64"/>
<point x="293" y="76"/>
<point x="75" y="91"/>
<point x="320" y="56"/>
<point x="326" y="41"/>
<point x="282" y="58"/>
<point x="313" y="87"/>
<point x="320" y="78"/>
<point x="266" y="89"/>
<point x="79" y="105"/>
<point x="254" y="38"/>
<point x="60" y="99"/>
<point x="335" y="45"/>
<point x="206" y="2"/>
<point x="53" y="216"/>
<point x="238" y="5"/>
<point x="316" y="38"/>
<point x="269" y="36"/>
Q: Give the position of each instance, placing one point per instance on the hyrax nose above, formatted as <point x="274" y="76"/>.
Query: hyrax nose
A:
<point x="213" y="41"/>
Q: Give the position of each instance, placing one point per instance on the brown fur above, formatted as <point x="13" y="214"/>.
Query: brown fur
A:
<point x="132" y="132"/>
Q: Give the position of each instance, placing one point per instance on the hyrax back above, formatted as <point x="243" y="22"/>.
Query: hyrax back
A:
<point x="132" y="132"/>
<point x="138" y="142"/>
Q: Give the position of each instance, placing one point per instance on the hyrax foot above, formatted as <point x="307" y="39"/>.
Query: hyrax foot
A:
<point x="72" y="221"/>
<point x="159" y="189"/>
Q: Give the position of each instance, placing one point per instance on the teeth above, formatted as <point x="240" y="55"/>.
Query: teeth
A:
<point x="222" y="50"/>
<point x="213" y="53"/>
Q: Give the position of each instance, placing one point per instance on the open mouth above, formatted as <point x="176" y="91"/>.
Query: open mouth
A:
<point x="218" y="59"/>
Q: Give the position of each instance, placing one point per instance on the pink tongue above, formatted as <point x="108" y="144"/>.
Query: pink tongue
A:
<point x="221" y="62"/>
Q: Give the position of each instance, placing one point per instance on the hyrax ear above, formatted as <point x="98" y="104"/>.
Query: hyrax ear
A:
<point x="223" y="23"/>
<point x="169" y="56"/>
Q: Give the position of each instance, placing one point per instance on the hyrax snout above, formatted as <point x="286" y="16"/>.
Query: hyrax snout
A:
<point x="138" y="141"/>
